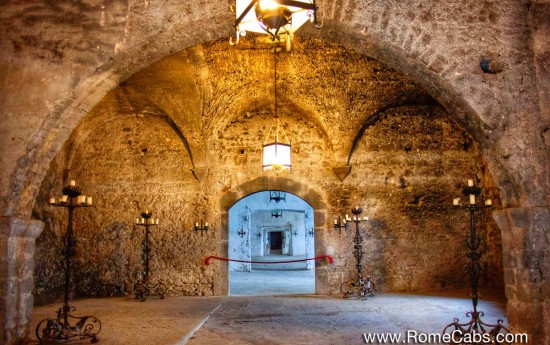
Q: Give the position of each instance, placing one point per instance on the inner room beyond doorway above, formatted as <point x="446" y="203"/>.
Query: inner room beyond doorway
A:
<point x="271" y="239"/>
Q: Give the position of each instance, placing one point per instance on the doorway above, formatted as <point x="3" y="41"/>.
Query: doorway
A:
<point x="272" y="240"/>
<point x="276" y="243"/>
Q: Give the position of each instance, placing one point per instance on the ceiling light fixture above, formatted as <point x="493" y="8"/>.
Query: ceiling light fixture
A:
<point x="278" y="18"/>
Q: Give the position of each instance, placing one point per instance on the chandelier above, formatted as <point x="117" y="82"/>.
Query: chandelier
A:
<point x="275" y="153"/>
<point x="278" y="18"/>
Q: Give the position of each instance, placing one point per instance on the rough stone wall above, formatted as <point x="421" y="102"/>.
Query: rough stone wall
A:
<point x="128" y="165"/>
<point x="55" y="70"/>
<point x="406" y="168"/>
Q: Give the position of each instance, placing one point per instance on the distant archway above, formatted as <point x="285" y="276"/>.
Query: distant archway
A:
<point x="271" y="237"/>
<point x="300" y="190"/>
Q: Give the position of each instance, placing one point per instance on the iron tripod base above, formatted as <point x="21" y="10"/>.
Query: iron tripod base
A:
<point x="358" y="288"/>
<point x="142" y="290"/>
<point x="476" y="331"/>
<point x="60" y="330"/>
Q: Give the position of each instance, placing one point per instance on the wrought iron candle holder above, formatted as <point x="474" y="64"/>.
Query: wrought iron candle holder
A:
<point x="202" y="228"/>
<point x="339" y="224"/>
<point x="359" y="287"/>
<point x="143" y="287"/>
<point x="276" y="214"/>
<point x="60" y="329"/>
<point x="277" y="196"/>
<point x="241" y="232"/>
<point x="462" y="333"/>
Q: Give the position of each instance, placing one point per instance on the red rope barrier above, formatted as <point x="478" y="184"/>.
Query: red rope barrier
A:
<point x="208" y="259"/>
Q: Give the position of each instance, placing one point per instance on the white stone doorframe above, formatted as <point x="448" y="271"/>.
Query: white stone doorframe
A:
<point x="287" y="238"/>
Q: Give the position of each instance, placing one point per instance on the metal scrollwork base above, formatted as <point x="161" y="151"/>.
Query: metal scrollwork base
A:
<point x="60" y="330"/>
<point x="475" y="331"/>
<point x="358" y="288"/>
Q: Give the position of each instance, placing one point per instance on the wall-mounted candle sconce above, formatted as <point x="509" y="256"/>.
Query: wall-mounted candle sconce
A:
<point x="202" y="228"/>
<point x="276" y="214"/>
<point x="277" y="196"/>
<point x="339" y="224"/>
<point x="241" y="232"/>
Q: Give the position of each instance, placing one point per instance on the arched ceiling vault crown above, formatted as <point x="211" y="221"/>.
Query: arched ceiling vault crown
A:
<point x="69" y="111"/>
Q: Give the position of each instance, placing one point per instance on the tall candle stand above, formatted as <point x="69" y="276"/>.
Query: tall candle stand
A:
<point x="143" y="288"/>
<point x="60" y="329"/>
<point x="359" y="287"/>
<point x="463" y="333"/>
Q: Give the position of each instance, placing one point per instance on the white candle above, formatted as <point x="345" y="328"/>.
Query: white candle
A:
<point x="63" y="199"/>
<point x="347" y="217"/>
<point x="89" y="201"/>
<point x="472" y="199"/>
<point x="52" y="201"/>
<point x="142" y="220"/>
<point x="196" y="224"/>
<point x="137" y="220"/>
<point x="206" y="224"/>
<point x="72" y="183"/>
<point x="157" y="221"/>
<point x="335" y="222"/>
<point x="147" y="211"/>
<point x="365" y="218"/>
<point x="356" y="207"/>
<point x="488" y="202"/>
<point x="470" y="183"/>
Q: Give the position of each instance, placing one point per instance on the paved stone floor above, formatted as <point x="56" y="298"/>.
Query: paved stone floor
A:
<point x="299" y="319"/>
<point x="262" y="282"/>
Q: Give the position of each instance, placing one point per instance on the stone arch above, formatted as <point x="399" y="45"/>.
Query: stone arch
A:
<point x="71" y="109"/>
<point x="308" y="194"/>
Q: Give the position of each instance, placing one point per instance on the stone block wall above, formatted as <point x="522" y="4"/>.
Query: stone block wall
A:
<point x="525" y="232"/>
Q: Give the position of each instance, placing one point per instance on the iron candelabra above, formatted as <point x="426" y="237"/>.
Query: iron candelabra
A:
<point x="463" y="333"/>
<point x="359" y="287"/>
<point x="60" y="329"/>
<point x="143" y="287"/>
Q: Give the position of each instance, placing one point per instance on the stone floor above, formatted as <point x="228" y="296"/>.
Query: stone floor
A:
<point x="299" y="319"/>
<point x="262" y="282"/>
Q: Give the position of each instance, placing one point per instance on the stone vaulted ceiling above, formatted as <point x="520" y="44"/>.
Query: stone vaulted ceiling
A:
<point x="202" y="89"/>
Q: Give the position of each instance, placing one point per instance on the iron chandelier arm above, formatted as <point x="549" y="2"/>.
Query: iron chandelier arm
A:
<point x="245" y="12"/>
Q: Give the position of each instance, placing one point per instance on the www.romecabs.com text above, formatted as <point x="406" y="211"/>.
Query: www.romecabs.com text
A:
<point x="456" y="337"/>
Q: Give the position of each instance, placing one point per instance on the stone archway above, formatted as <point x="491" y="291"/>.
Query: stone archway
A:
<point x="394" y="36"/>
<point x="308" y="194"/>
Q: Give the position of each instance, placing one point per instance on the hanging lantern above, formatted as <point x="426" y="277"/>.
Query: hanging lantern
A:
<point x="276" y="154"/>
